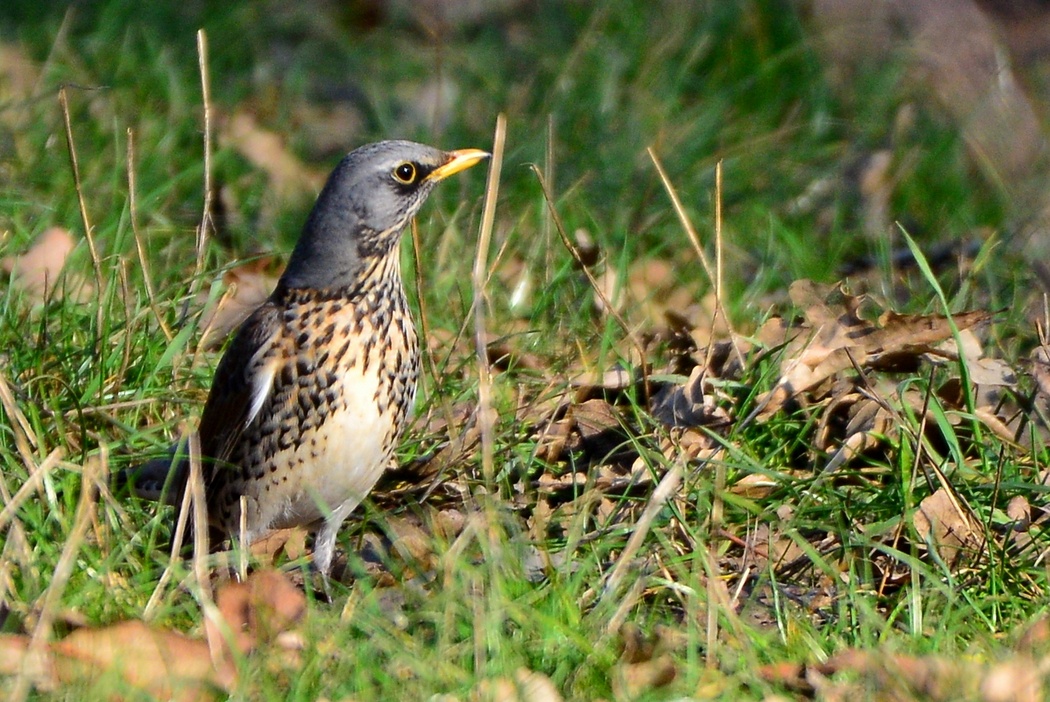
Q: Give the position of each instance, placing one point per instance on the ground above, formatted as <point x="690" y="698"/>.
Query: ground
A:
<point x="759" y="413"/>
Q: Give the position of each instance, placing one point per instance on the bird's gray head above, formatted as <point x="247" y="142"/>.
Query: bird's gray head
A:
<point x="365" y="205"/>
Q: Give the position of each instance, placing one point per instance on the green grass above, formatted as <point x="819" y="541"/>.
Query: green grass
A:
<point x="586" y="90"/>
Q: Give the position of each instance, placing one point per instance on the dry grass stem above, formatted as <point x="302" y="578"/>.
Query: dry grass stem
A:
<point x="25" y="438"/>
<point x="206" y="222"/>
<point x="95" y="472"/>
<point x="665" y="490"/>
<point x="13" y="503"/>
<point x="140" y="244"/>
<point x="89" y="234"/>
<point x="714" y="275"/>
<point x="195" y="486"/>
<point x="623" y="610"/>
<point x="486" y="412"/>
<point x="717" y="505"/>
<point x="715" y="589"/>
<point x="632" y="336"/>
<point x="177" y="540"/>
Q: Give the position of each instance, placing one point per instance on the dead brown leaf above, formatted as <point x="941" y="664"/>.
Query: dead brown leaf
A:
<point x="257" y="610"/>
<point x="754" y="486"/>
<point x="690" y="444"/>
<point x="504" y="355"/>
<point x="786" y="673"/>
<point x="415" y="545"/>
<point x="594" y="418"/>
<point x="595" y="427"/>
<point x="614" y="380"/>
<point x="687" y="405"/>
<point x="37" y="271"/>
<point x="948" y="526"/>
<point x="266" y="150"/>
<point x="1018" y="510"/>
<point x="932" y="676"/>
<point x="652" y="288"/>
<point x="286" y="543"/>
<point x="901" y="678"/>
<point x="1017" y="680"/>
<point x="1040" y="358"/>
<point x="18" y="74"/>
<point x="247" y="287"/>
<point x="553" y="439"/>
<point x="1036" y="636"/>
<point x="645" y="663"/>
<point x="525" y="686"/>
<point x="838" y="336"/>
<point x="19" y="77"/>
<point x="163" y="663"/>
<point x="870" y="424"/>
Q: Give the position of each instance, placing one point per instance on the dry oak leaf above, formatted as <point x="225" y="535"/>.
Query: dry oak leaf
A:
<point x="1016" y="680"/>
<point x="754" y="486"/>
<point x="786" y="673"/>
<point x="687" y="405"/>
<point x="1040" y="360"/>
<point x="168" y="664"/>
<point x="165" y="664"/>
<point x="645" y="662"/>
<point x="266" y="150"/>
<point x="256" y="611"/>
<point x="594" y="426"/>
<point x="247" y="286"/>
<point x="903" y="676"/>
<point x="38" y="270"/>
<point x="870" y="422"/>
<point x="287" y="543"/>
<point x="836" y="338"/>
<point x="19" y="77"/>
<point x="947" y="524"/>
<point x="652" y="288"/>
<point x="526" y="686"/>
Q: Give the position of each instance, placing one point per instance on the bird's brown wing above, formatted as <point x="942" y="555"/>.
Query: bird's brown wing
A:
<point x="243" y="383"/>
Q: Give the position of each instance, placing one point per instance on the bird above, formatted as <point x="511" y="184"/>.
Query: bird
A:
<point x="315" y="389"/>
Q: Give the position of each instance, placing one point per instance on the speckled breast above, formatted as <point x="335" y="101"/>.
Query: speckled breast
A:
<point x="341" y="395"/>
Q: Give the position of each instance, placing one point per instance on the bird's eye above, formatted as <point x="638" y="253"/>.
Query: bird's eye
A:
<point x="405" y="173"/>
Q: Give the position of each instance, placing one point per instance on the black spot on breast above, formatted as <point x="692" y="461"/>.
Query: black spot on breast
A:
<point x="327" y="335"/>
<point x="341" y="353"/>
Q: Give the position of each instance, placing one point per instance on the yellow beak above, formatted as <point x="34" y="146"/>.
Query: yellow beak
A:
<point x="459" y="160"/>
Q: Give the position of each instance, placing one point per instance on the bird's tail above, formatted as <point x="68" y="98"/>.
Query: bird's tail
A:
<point x="160" y="479"/>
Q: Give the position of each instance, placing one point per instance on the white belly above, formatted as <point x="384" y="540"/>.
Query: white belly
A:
<point x="338" y="462"/>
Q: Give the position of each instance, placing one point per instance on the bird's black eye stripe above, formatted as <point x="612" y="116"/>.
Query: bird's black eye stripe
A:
<point x="406" y="173"/>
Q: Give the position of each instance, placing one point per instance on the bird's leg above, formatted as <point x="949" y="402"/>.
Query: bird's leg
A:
<point x="324" y="543"/>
